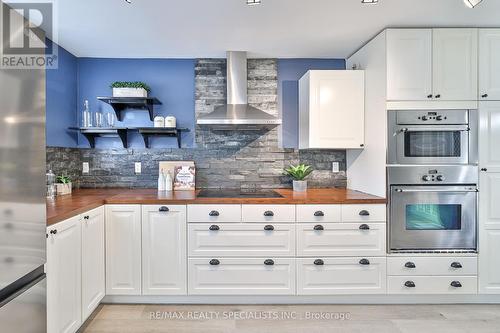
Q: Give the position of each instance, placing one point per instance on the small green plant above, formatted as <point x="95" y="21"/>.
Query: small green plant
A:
<point x="63" y="179"/>
<point x="298" y="172"/>
<point x="136" y="84"/>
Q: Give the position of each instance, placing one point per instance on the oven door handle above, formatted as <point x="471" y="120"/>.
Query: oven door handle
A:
<point x="451" y="128"/>
<point x="400" y="190"/>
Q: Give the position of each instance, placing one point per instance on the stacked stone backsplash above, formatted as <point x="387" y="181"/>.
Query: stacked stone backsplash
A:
<point x="224" y="159"/>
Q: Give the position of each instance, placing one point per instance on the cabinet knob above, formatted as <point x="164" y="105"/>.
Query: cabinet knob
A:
<point x="438" y="96"/>
<point x="364" y="213"/>
<point x="364" y="227"/>
<point x="456" y="264"/>
<point x="319" y="213"/>
<point x="53" y="232"/>
<point x="319" y="262"/>
<point x="214" y="227"/>
<point x="456" y="284"/>
<point x="213" y="213"/>
<point x="268" y="262"/>
<point x="410" y="284"/>
<point x="429" y="96"/>
<point x="163" y="209"/>
<point x="410" y="264"/>
<point x="318" y="227"/>
<point x="214" y="262"/>
<point x="269" y="228"/>
<point x="484" y="169"/>
<point x="86" y="217"/>
<point x="268" y="213"/>
<point x="484" y="95"/>
<point x="364" y="262"/>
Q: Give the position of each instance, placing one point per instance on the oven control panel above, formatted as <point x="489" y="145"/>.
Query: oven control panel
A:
<point x="437" y="117"/>
<point x="433" y="176"/>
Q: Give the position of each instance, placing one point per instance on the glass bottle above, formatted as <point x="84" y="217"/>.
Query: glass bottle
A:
<point x="51" y="184"/>
<point x="87" y="116"/>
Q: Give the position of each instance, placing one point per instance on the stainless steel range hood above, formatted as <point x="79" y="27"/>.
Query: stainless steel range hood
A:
<point x="237" y="114"/>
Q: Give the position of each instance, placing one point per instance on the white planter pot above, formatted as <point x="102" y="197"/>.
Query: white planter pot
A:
<point x="63" y="189"/>
<point x="300" y="185"/>
<point x="130" y="92"/>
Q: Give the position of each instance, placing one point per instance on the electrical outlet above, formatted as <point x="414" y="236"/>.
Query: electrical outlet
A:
<point x="85" y="168"/>
<point x="335" y="167"/>
<point x="138" y="167"/>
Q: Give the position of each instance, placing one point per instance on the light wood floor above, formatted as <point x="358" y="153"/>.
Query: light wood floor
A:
<point x="361" y="318"/>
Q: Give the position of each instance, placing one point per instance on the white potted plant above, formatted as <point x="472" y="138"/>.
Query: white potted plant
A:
<point x="130" y="89"/>
<point x="298" y="174"/>
<point x="63" y="185"/>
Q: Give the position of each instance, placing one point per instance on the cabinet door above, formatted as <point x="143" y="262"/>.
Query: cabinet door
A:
<point x="409" y="64"/>
<point x="489" y="266"/>
<point x="489" y="199"/>
<point x="489" y="136"/>
<point x="123" y="249"/>
<point x="93" y="267"/>
<point x="489" y="64"/>
<point x="164" y="263"/>
<point x="455" y="64"/>
<point x="337" y="109"/>
<point x="64" y="273"/>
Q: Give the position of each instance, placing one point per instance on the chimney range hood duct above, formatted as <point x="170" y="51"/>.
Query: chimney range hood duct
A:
<point x="237" y="114"/>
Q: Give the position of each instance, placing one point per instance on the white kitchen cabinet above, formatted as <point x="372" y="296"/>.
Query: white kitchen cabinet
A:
<point x="331" y="109"/>
<point x="489" y="64"/>
<point x="93" y="261"/>
<point x="409" y="64"/>
<point x="123" y="249"/>
<point x="214" y="213"/>
<point x="432" y="285"/>
<point x="64" y="276"/>
<point x="432" y="266"/>
<point x="340" y="276"/>
<point x="268" y="213"/>
<point x="489" y="200"/>
<point x="164" y="262"/>
<point x="489" y="136"/>
<point x="364" y="213"/>
<point x="489" y="267"/>
<point x="455" y="56"/>
<point x="241" y="276"/>
<point x="238" y="240"/>
<point x="318" y="213"/>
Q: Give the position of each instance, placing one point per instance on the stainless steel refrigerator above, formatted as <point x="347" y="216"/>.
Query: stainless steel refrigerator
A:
<point x="22" y="201"/>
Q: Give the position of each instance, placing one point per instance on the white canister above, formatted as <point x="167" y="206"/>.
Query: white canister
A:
<point x="159" y="121"/>
<point x="170" y="121"/>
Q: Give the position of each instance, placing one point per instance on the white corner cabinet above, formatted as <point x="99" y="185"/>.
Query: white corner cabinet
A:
<point x="432" y="64"/>
<point x="332" y="109"/>
<point x="489" y="64"/>
<point x="75" y="270"/>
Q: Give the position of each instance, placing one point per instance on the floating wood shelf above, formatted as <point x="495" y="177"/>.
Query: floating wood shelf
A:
<point x="120" y="104"/>
<point x="148" y="132"/>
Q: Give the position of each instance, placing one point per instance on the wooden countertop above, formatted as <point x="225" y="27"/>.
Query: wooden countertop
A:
<point x="80" y="201"/>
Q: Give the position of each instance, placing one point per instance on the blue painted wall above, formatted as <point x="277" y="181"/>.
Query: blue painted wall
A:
<point x="61" y="94"/>
<point x="289" y="73"/>
<point x="171" y="81"/>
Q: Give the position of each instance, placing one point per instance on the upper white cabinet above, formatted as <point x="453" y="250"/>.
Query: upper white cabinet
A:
<point x="489" y="136"/>
<point x="331" y="109"/>
<point x="64" y="276"/>
<point x="489" y="64"/>
<point x="432" y="64"/>
<point x="409" y="64"/>
<point x="123" y="249"/>
<point x="164" y="264"/>
<point x="455" y="64"/>
<point x="93" y="261"/>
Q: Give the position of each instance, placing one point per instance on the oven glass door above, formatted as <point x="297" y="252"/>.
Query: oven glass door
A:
<point x="433" y="217"/>
<point x="433" y="144"/>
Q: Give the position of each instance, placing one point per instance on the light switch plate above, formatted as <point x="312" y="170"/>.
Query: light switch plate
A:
<point x="335" y="167"/>
<point x="138" y="167"/>
<point x="85" y="167"/>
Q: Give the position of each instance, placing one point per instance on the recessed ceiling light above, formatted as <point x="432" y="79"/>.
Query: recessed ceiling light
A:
<point x="369" y="1"/>
<point x="472" y="3"/>
<point x="253" y="2"/>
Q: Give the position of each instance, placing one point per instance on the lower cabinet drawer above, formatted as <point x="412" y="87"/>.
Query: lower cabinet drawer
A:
<point x="341" y="239"/>
<point x="432" y="284"/>
<point x="268" y="213"/>
<point x="432" y="265"/>
<point x="241" y="276"/>
<point x="338" y="276"/>
<point x="240" y="240"/>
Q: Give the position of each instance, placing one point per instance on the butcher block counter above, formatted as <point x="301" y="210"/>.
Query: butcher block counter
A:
<point x="80" y="201"/>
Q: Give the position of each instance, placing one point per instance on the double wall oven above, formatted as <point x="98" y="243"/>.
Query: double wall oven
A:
<point x="432" y="180"/>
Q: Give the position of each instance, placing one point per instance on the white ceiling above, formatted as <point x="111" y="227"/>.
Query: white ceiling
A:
<point x="277" y="28"/>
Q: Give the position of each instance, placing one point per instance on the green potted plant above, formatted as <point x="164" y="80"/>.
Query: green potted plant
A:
<point x="63" y="185"/>
<point x="298" y="174"/>
<point x="130" y="89"/>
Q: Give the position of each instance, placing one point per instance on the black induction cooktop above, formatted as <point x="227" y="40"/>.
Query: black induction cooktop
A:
<point x="239" y="194"/>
